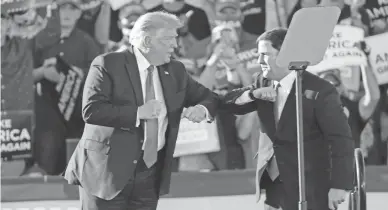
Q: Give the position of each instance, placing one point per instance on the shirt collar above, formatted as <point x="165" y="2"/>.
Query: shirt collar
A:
<point x="287" y="81"/>
<point x="142" y="62"/>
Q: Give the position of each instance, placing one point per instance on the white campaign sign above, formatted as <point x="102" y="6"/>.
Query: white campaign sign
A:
<point x="379" y="56"/>
<point x="196" y="138"/>
<point x="341" y="51"/>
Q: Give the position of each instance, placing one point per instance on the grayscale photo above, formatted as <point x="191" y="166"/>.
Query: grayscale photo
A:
<point x="194" y="105"/>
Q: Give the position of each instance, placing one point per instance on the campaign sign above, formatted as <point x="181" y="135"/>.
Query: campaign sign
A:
<point x="249" y="58"/>
<point x="69" y="88"/>
<point x="378" y="56"/>
<point x="16" y="134"/>
<point x="341" y="50"/>
<point x="196" y="138"/>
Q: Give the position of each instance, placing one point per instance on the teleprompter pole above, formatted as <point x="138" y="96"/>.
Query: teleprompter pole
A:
<point x="299" y="67"/>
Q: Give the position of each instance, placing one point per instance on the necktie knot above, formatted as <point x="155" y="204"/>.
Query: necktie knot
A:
<point x="277" y="86"/>
<point x="150" y="69"/>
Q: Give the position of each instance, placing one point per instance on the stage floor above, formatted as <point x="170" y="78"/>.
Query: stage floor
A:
<point x="224" y="190"/>
<point x="375" y="201"/>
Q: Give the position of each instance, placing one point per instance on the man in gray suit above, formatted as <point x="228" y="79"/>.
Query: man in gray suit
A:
<point x="132" y="105"/>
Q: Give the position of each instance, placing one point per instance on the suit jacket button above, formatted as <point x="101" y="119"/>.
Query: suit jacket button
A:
<point x="135" y="161"/>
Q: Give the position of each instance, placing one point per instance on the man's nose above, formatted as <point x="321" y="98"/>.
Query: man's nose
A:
<point x="174" y="44"/>
<point x="260" y="60"/>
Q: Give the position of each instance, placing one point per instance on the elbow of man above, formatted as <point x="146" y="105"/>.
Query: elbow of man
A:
<point x="236" y="109"/>
<point x="90" y="114"/>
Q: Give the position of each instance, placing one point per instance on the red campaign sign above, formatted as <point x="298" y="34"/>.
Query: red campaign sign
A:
<point x="16" y="134"/>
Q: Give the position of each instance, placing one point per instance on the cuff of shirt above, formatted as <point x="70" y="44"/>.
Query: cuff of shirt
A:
<point x="243" y="99"/>
<point x="137" y="118"/>
<point x="209" y="118"/>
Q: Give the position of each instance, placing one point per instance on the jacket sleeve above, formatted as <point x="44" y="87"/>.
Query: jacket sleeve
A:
<point x="97" y="106"/>
<point x="335" y="128"/>
<point x="228" y="101"/>
<point x="199" y="94"/>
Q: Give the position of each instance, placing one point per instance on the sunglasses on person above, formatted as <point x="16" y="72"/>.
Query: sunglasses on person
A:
<point x="333" y="79"/>
<point x="19" y="12"/>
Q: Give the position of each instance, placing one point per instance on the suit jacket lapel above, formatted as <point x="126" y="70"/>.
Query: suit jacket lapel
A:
<point x="266" y="111"/>
<point x="134" y="76"/>
<point x="168" y="84"/>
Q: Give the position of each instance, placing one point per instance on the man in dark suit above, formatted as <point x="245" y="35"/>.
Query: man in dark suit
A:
<point x="327" y="137"/>
<point x="132" y="105"/>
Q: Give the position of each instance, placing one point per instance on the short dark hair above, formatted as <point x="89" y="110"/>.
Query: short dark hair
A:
<point x="275" y="36"/>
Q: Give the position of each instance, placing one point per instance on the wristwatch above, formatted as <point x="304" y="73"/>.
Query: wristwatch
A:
<point x="251" y="96"/>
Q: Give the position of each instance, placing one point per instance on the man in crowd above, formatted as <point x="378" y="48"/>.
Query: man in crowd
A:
<point x="24" y="29"/>
<point x="128" y="14"/>
<point x="328" y="143"/>
<point x="77" y="49"/>
<point x="132" y="106"/>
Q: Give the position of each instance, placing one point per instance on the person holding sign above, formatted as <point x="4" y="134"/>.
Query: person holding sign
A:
<point x="358" y="109"/>
<point x="328" y="143"/>
<point x="24" y="29"/>
<point x="132" y="105"/>
<point x="223" y="73"/>
<point x="59" y="77"/>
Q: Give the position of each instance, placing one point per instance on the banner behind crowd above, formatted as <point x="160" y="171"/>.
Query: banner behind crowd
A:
<point x="379" y="56"/>
<point x="16" y="134"/>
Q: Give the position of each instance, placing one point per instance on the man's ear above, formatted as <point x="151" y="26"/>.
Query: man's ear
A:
<point x="79" y="14"/>
<point x="119" y="24"/>
<point x="147" y="42"/>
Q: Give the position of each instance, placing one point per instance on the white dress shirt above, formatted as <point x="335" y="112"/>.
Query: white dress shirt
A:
<point x="282" y="94"/>
<point x="143" y="65"/>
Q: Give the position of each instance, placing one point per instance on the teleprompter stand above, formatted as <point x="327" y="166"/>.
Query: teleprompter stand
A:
<point x="300" y="67"/>
<point x="305" y="44"/>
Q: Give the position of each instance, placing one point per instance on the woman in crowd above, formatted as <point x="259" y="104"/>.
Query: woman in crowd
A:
<point x="223" y="72"/>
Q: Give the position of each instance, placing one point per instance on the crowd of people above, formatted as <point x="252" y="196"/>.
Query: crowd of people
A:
<point x="48" y="50"/>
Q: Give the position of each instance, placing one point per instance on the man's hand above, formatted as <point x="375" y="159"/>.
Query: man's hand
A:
<point x="195" y="113"/>
<point x="361" y="45"/>
<point x="220" y="92"/>
<point x="78" y="70"/>
<point x="51" y="74"/>
<point x="265" y="93"/>
<point x="336" y="197"/>
<point x="150" y="110"/>
<point x="48" y="70"/>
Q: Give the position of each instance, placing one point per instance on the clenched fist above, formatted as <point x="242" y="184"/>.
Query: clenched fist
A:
<point x="265" y="93"/>
<point x="195" y="113"/>
<point x="336" y="197"/>
<point x="150" y="110"/>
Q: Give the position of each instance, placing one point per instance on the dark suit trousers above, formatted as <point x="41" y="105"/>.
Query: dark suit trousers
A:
<point x="140" y="193"/>
<point x="274" y="192"/>
<point x="278" y="196"/>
